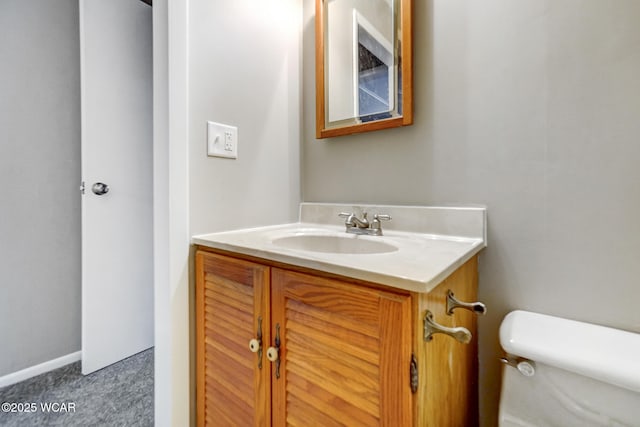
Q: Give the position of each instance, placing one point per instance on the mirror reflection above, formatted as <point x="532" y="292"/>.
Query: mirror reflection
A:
<point x="361" y="62"/>
<point x="377" y="73"/>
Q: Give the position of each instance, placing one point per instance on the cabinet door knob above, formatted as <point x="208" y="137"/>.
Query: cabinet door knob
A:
<point x="272" y="354"/>
<point x="431" y="327"/>
<point x="254" y="345"/>
<point x="453" y="303"/>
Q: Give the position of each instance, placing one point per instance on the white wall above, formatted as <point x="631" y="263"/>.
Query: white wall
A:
<point x="171" y="208"/>
<point x="239" y="63"/>
<point x="530" y="107"/>
<point x="244" y="70"/>
<point x="39" y="182"/>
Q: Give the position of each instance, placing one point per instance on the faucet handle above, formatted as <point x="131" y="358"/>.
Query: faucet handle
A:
<point x="376" y="227"/>
<point x="348" y="222"/>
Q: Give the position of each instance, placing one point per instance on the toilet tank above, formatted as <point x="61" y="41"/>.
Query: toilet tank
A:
<point x="583" y="374"/>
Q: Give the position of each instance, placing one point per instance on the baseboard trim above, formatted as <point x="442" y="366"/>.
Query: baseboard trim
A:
<point x="42" y="368"/>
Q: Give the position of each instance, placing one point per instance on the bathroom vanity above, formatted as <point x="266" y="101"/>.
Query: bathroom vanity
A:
<point x="306" y="324"/>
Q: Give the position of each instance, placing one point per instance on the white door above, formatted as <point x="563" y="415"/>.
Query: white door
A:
<point x="117" y="226"/>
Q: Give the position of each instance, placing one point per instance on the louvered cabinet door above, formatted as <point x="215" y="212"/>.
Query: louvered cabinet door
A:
<point x="345" y="352"/>
<point x="232" y="304"/>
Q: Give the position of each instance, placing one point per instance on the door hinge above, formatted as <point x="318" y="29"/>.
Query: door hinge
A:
<point x="82" y="187"/>
<point x="413" y="373"/>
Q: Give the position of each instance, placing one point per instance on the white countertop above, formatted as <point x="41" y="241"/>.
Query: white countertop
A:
<point x="422" y="259"/>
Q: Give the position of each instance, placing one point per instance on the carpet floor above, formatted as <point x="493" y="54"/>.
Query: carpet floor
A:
<point x="118" y="395"/>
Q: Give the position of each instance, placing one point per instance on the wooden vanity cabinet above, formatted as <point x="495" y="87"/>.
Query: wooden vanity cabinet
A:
<point x="345" y="349"/>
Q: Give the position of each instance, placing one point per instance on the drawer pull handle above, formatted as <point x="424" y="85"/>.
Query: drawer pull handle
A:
<point x="460" y="333"/>
<point x="453" y="303"/>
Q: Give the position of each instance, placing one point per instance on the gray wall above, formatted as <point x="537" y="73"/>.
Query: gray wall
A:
<point x="531" y="107"/>
<point x="39" y="178"/>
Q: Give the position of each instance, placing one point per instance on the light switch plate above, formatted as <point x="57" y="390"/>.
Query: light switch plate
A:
<point x="222" y="140"/>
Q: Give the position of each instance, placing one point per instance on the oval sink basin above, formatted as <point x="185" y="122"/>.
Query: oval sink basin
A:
<point x="334" y="244"/>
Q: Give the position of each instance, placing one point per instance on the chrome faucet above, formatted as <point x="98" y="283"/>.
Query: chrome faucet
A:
<point x="355" y="225"/>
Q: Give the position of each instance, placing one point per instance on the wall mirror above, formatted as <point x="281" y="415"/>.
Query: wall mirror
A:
<point x="364" y="66"/>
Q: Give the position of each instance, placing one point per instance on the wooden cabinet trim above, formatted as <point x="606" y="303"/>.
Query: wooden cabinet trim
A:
<point x="457" y="385"/>
<point x="304" y="270"/>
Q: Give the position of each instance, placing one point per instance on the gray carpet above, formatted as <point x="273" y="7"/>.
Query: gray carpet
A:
<point x="118" y="395"/>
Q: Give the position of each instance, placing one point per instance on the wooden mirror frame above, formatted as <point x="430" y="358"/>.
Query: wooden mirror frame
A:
<point x="406" y="53"/>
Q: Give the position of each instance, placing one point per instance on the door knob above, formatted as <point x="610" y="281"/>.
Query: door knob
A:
<point x="99" y="188"/>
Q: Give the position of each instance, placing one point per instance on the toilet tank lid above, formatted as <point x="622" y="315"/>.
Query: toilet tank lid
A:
<point x="598" y="352"/>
